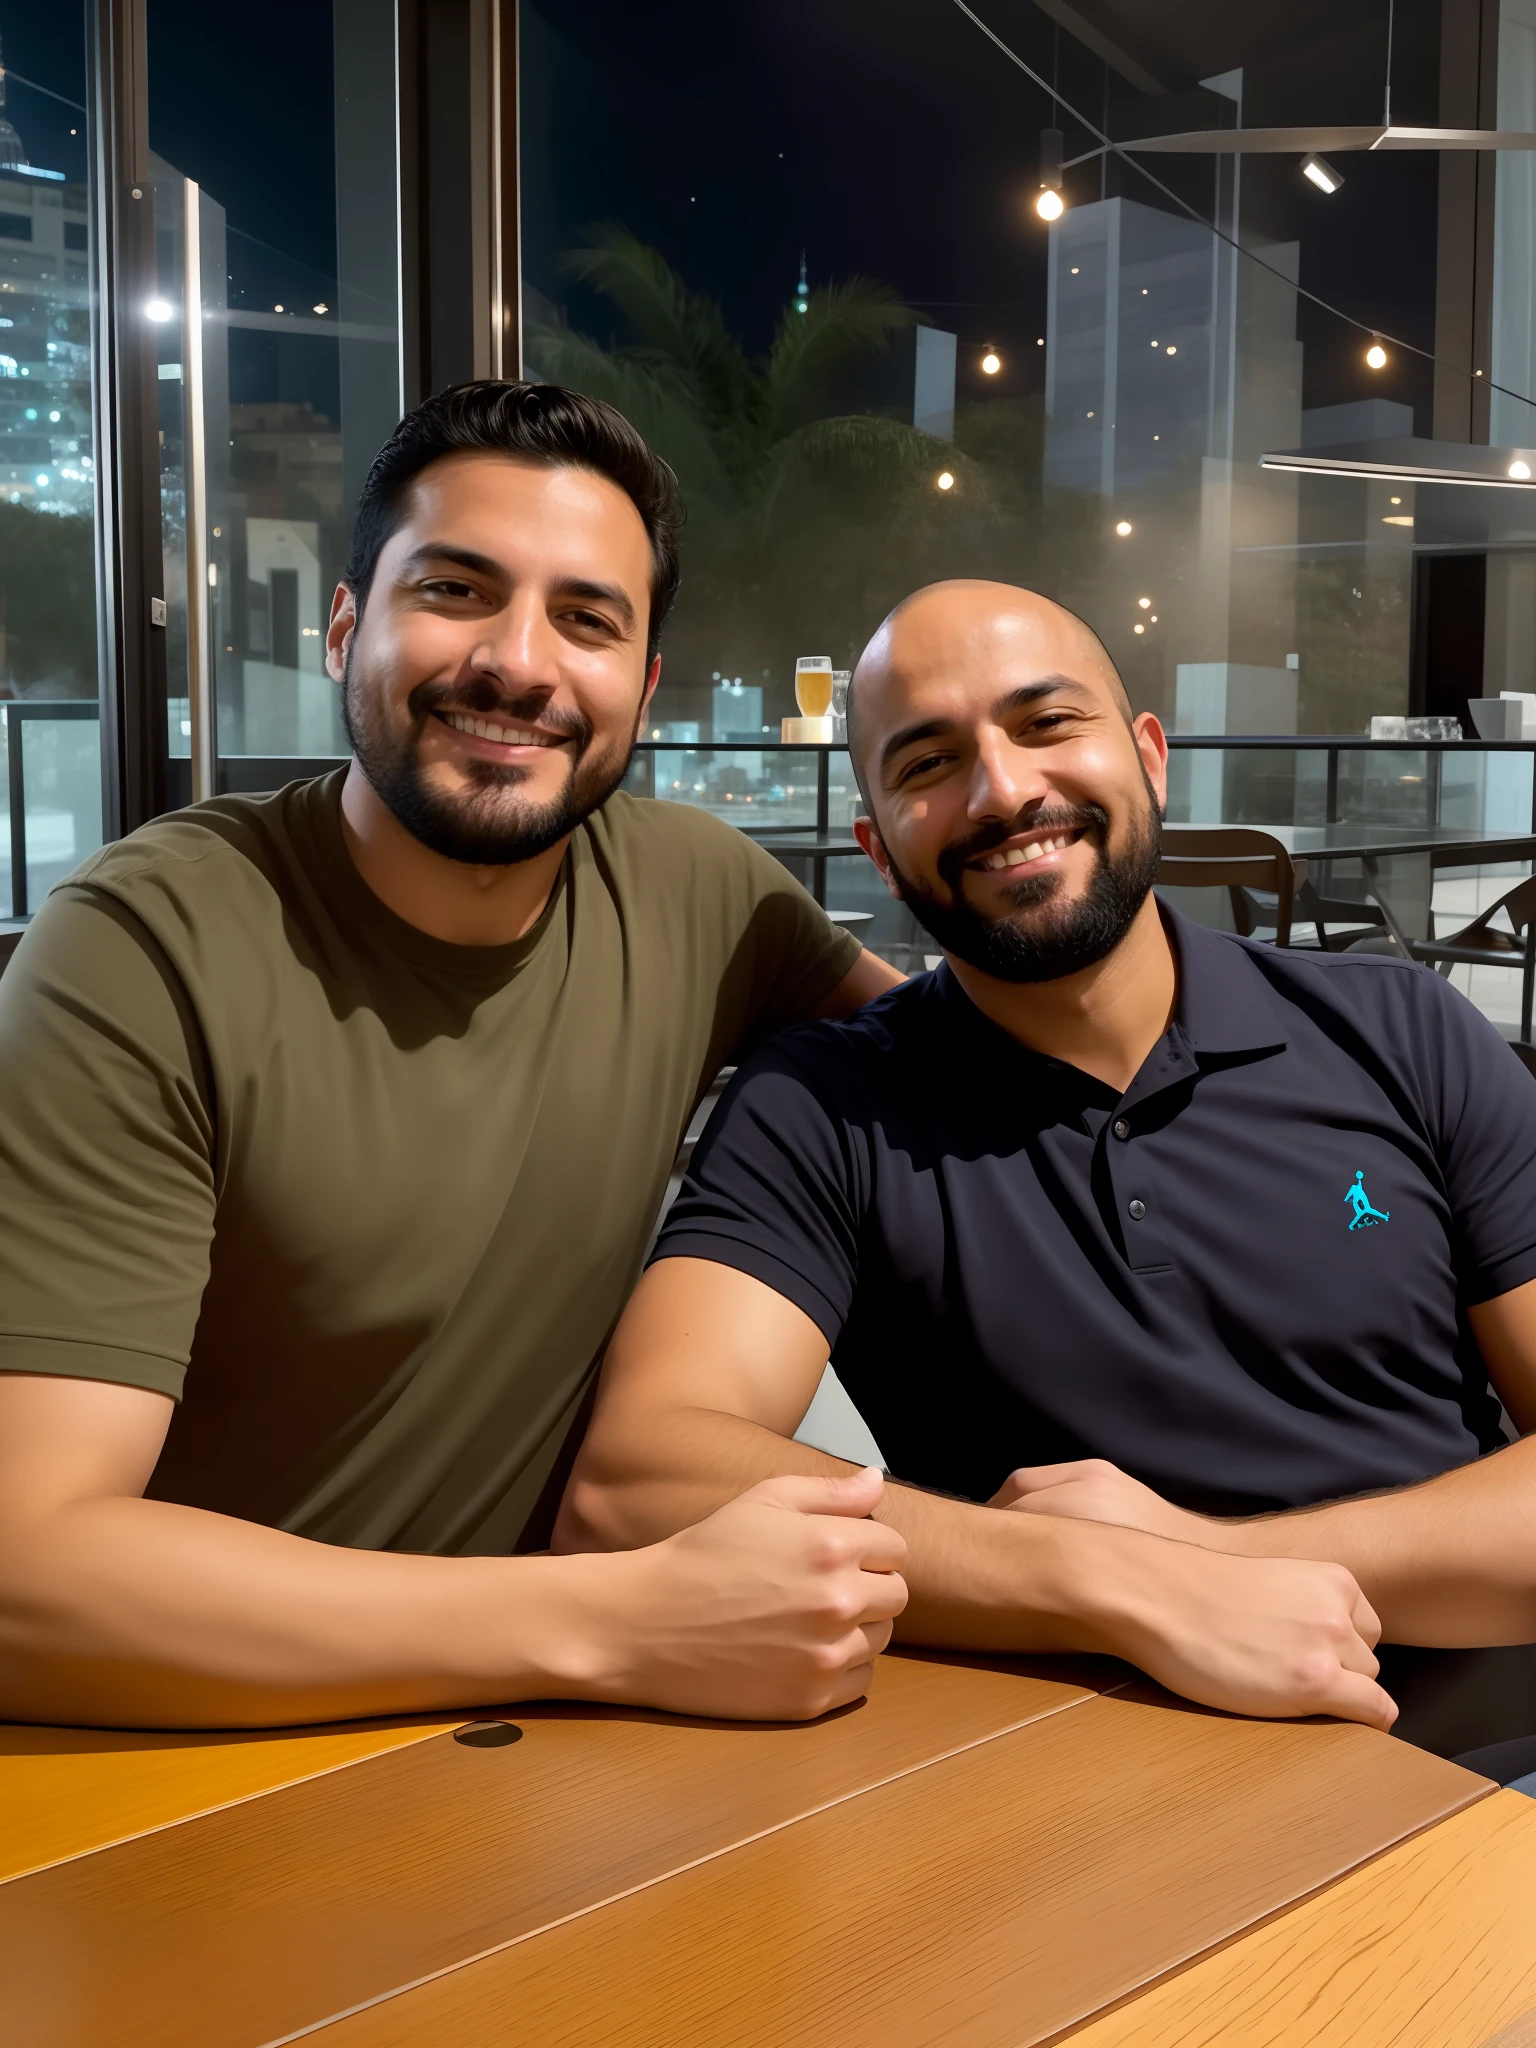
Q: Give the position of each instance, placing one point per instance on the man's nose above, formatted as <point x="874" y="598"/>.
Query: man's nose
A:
<point x="521" y="645"/>
<point x="1004" y="779"/>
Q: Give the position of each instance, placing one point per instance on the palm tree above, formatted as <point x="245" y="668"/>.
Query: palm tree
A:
<point x="793" y="504"/>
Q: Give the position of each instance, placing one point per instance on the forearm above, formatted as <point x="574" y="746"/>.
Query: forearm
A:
<point x="1449" y="1563"/>
<point x="130" y="1613"/>
<point x="977" y="1578"/>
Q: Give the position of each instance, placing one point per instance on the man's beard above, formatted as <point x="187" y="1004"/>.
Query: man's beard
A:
<point x="1055" y="941"/>
<point x="483" y="825"/>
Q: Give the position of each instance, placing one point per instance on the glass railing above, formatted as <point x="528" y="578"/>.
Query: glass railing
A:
<point x="50" y="786"/>
<point x="1484" y="785"/>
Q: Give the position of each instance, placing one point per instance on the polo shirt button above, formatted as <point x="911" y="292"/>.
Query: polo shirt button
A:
<point x="1138" y="1209"/>
<point x="1121" y="1128"/>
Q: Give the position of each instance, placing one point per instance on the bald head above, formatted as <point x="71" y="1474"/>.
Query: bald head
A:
<point x="1014" y="801"/>
<point x="974" y="629"/>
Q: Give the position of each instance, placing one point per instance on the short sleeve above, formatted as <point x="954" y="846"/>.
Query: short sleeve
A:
<point x="797" y="956"/>
<point x="106" y="1151"/>
<point x="1486" y="1113"/>
<point x="776" y="1188"/>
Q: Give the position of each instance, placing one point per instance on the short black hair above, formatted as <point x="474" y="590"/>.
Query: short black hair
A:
<point x="542" y="423"/>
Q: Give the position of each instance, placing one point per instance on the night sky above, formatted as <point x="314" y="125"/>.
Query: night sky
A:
<point x="883" y="136"/>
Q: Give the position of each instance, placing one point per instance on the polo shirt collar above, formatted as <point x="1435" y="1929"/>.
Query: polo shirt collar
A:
<point x="1225" y="1001"/>
<point x="1225" y="1005"/>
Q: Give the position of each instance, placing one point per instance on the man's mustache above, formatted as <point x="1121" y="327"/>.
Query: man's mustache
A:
<point x="1091" y="819"/>
<point x="481" y="700"/>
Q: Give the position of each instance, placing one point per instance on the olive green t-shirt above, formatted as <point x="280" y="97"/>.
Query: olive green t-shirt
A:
<point x="367" y="1203"/>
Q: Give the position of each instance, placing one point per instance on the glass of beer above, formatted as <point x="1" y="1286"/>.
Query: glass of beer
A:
<point x="813" y="685"/>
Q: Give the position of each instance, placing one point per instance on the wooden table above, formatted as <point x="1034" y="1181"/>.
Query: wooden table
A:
<point x="984" y="1853"/>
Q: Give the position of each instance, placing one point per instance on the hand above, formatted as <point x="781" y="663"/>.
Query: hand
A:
<point x="1093" y="1490"/>
<point x="774" y="1609"/>
<point x="1264" y="1635"/>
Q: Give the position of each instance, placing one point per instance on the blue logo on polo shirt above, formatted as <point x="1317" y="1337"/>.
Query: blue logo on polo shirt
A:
<point x="1360" y="1202"/>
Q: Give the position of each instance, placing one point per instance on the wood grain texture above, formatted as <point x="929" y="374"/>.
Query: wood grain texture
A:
<point x="990" y="1901"/>
<point x="1432" y="1946"/>
<point x="66" y="1791"/>
<point x="266" y="1917"/>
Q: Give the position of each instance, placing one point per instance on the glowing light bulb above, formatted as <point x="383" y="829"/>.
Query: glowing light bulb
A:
<point x="159" y="310"/>
<point x="1520" y="471"/>
<point x="991" y="363"/>
<point x="1138" y="627"/>
<point x="944" y="480"/>
<point x="322" y="307"/>
<point x="1376" y="356"/>
<point x="1050" y="205"/>
<point x="1145" y="603"/>
<point x="1122" y="527"/>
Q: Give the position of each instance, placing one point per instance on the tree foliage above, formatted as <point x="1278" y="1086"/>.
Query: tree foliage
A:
<point x="809" y="513"/>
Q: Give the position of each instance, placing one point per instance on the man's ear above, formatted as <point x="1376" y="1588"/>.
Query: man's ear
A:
<point x="338" y="634"/>
<point x="652" y="678"/>
<point x="869" y="838"/>
<point x="1152" y="745"/>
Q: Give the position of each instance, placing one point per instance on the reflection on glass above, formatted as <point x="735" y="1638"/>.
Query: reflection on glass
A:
<point x="300" y="347"/>
<point x="47" y="487"/>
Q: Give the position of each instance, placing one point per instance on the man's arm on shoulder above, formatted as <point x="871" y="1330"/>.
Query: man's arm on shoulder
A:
<point x="711" y="1371"/>
<point x="869" y="976"/>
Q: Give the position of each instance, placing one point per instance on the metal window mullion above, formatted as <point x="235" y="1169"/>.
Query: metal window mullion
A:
<point x="199" y="639"/>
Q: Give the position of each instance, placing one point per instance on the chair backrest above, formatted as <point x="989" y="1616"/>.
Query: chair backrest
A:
<point x="1519" y="905"/>
<point x="1235" y="858"/>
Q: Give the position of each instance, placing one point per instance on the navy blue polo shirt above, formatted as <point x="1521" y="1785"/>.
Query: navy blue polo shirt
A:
<point x="1244" y="1280"/>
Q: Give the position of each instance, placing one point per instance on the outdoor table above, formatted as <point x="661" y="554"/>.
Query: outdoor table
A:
<point x="986" y="1853"/>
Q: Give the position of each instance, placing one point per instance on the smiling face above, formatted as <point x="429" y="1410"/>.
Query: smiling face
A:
<point x="495" y="683"/>
<point x="1015" y="804"/>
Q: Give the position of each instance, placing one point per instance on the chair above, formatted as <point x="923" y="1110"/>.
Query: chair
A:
<point x="1239" y="859"/>
<point x="1479" y="945"/>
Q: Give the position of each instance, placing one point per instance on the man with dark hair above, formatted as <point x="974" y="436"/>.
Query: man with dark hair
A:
<point x="1075" y="1219"/>
<point x="333" y="1125"/>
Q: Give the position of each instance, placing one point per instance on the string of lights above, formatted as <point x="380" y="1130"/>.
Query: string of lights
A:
<point x="1375" y="355"/>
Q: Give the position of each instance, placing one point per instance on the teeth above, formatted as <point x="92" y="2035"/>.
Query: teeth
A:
<point x="1015" y="857"/>
<point x="504" y="735"/>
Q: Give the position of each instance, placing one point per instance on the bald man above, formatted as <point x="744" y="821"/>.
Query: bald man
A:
<point x="1069" y="1216"/>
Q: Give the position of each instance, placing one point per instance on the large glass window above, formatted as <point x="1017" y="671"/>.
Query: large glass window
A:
<point x="50" y="782"/>
<point x="803" y="252"/>
<point x="291" y="267"/>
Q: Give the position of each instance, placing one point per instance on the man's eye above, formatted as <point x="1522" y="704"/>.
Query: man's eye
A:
<point x="447" y="586"/>
<point x="922" y="766"/>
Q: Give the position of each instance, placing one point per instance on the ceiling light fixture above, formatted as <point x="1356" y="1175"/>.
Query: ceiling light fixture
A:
<point x="1321" y="173"/>
<point x="1122" y="527"/>
<point x="1376" y="355"/>
<point x="1520" y="471"/>
<point x="159" y="310"/>
<point x="991" y="363"/>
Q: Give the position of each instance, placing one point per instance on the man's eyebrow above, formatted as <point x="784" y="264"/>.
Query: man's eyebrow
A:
<point x="1015" y="700"/>
<point x="433" y="551"/>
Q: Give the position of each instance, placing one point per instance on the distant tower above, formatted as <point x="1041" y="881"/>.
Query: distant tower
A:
<point x="802" y="289"/>
<point x="11" y="150"/>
